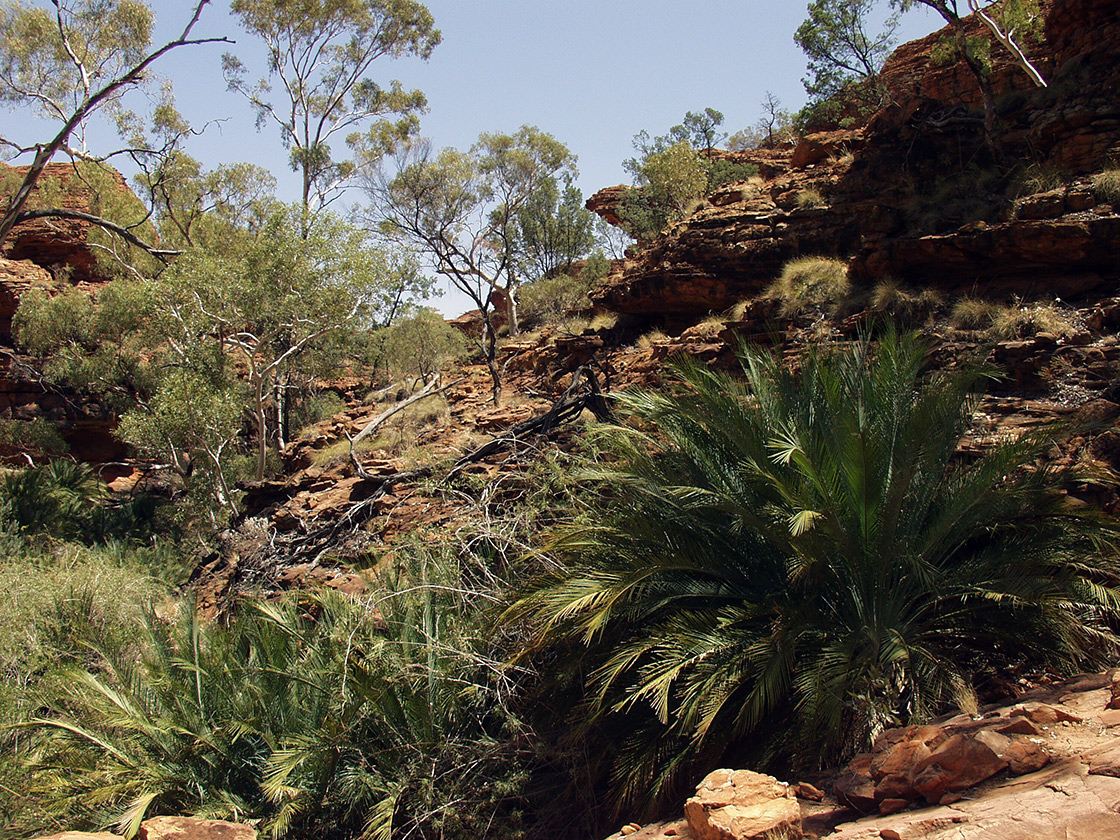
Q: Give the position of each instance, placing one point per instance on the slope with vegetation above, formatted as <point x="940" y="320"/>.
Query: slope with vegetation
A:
<point x="349" y="569"/>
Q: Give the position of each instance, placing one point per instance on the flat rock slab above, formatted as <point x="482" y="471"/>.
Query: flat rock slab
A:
<point x="188" y="828"/>
<point x="1058" y="804"/>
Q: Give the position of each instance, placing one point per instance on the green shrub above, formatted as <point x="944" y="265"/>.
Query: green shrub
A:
<point x="319" y="406"/>
<point x="722" y="172"/>
<point x="312" y="713"/>
<point x="810" y="281"/>
<point x="67" y="500"/>
<point x="55" y="602"/>
<point x="550" y="299"/>
<point x="422" y="344"/>
<point x="1106" y="186"/>
<point x="37" y="438"/>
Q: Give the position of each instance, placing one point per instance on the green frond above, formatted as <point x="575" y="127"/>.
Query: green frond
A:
<point x="798" y="558"/>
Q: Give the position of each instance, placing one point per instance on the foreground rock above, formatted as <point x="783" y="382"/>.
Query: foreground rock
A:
<point x="172" y="828"/>
<point x="188" y="828"/>
<point x="1044" y="768"/>
<point x="743" y="805"/>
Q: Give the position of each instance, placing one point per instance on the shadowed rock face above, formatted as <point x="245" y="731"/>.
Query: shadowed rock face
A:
<point x="51" y="255"/>
<point x="914" y="194"/>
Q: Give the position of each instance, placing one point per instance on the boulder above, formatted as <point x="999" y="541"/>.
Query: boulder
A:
<point x="743" y="805"/>
<point x="1022" y="754"/>
<point x="189" y="828"/>
<point x="1114" y="692"/>
<point x="956" y="765"/>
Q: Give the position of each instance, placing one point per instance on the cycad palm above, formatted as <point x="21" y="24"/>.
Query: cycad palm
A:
<point x="787" y="562"/>
<point x="315" y="714"/>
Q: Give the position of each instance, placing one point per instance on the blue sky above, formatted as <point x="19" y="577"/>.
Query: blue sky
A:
<point x="592" y="74"/>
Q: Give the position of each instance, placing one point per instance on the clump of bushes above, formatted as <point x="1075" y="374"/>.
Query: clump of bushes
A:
<point x="550" y="299"/>
<point x="1016" y="321"/>
<point x="422" y="345"/>
<point x="810" y="281"/>
<point x="1023" y="321"/>
<point x="66" y="500"/>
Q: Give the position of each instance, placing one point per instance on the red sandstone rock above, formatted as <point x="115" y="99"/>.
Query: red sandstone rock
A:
<point x="742" y="805"/>
<point x="956" y="765"/>
<point x="1114" y="692"/>
<point x="189" y="828"/>
<point x="1043" y="714"/>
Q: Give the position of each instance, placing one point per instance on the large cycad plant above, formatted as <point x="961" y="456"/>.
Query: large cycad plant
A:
<point x="784" y="563"/>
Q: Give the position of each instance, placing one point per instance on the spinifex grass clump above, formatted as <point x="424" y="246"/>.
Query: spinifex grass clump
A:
<point x="810" y="281"/>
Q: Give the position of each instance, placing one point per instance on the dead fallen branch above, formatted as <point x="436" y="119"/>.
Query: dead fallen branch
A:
<point x="429" y="390"/>
<point x="582" y="394"/>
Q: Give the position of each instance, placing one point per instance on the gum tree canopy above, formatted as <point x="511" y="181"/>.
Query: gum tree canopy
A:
<point x="67" y="64"/>
<point x="316" y="89"/>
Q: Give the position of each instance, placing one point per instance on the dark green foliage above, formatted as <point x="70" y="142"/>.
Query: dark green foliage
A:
<point x="550" y="299"/>
<point x="316" y="714"/>
<point x="844" y="59"/>
<point x="66" y="500"/>
<point x="36" y="438"/>
<point x="552" y="230"/>
<point x="673" y="170"/>
<point x="783" y="566"/>
<point x="723" y="172"/>
<point x="643" y="216"/>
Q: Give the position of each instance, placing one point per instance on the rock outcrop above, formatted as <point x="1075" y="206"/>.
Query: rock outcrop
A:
<point x="172" y="828"/>
<point x="1044" y="768"/>
<point x="742" y="805"/>
<point x="50" y="256"/>
<point x="915" y="194"/>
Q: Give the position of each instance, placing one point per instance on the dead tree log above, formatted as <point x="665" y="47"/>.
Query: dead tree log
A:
<point x="582" y="394"/>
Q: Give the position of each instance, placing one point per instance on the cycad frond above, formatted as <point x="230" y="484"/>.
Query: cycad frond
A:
<point x="788" y="562"/>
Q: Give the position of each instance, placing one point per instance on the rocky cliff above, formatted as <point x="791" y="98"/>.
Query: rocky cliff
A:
<point x="51" y="255"/>
<point x="916" y="194"/>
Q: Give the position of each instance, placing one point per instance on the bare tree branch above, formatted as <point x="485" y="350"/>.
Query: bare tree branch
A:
<point x="46" y="151"/>
<point x="123" y="232"/>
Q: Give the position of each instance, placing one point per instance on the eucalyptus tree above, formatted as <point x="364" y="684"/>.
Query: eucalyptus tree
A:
<point x="199" y="353"/>
<point x="461" y="210"/>
<point x="66" y="64"/>
<point x="553" y="230"/>
<point x="781" y="565"/>
<point x="841" y="49"/>
<point x="316" y="89"/>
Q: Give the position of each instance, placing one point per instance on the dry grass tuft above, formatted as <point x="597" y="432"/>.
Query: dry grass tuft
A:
<point x="604" y="321"/>
<point x="1106" y="186"/>
<point x="971" y="313"/>
<point x="651" y="338"/>
<point x="1024" y="321"/>
<point x="1019" y="320"/>
<point x="809" y="199"/>
<point x="890" y="297"/>
<point x="810" y="281"/>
